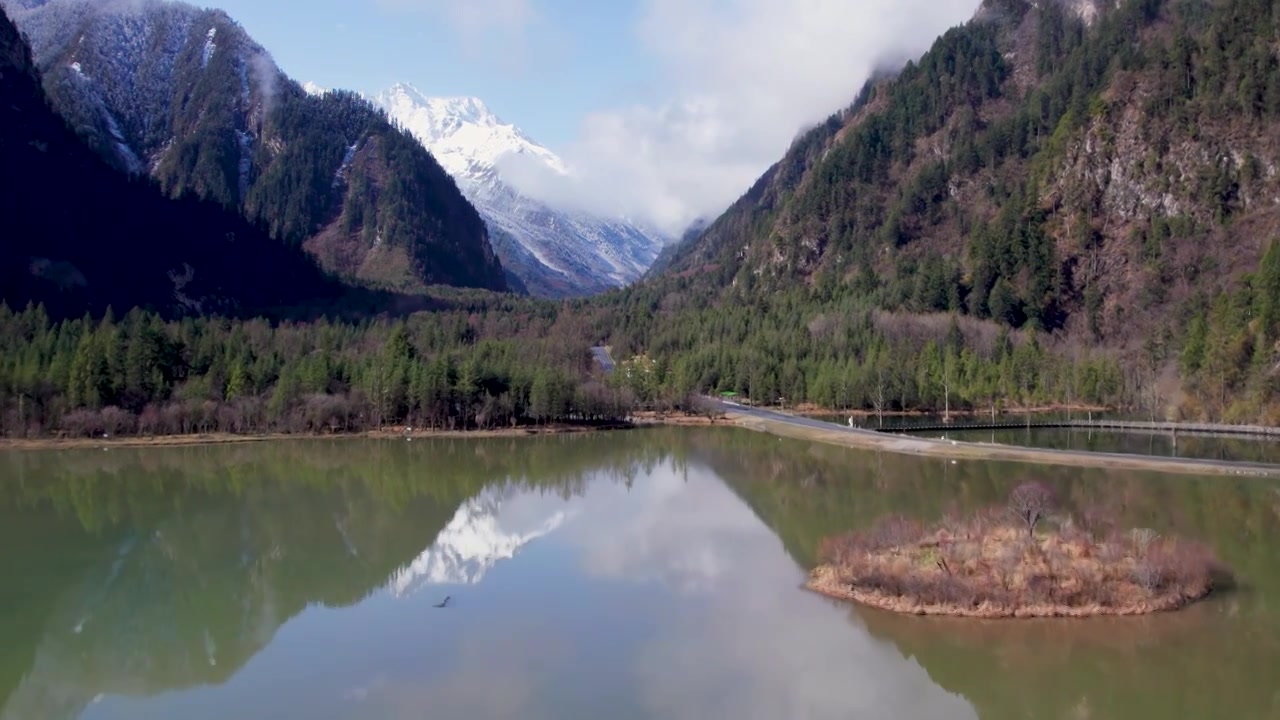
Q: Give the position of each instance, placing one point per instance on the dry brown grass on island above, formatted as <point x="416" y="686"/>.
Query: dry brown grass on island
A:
<point x="1005" y="563"/>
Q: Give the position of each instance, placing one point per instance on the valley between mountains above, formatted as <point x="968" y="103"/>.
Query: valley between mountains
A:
<point x="1058" y="203"/>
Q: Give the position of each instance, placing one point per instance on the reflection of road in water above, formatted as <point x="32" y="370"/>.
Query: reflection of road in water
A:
<point x="1195" y="446"/>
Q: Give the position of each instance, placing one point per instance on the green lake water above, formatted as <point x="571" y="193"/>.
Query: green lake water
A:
<point x="1232" y="448"/>
<point x="645" y="574"/>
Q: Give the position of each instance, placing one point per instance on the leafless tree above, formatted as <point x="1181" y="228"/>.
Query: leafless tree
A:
<point x="115" y="420"/>
<point x="173" y="419"/>
<point x="1030" y="502"/>
<point x="149" y="421"/>
<point x="1142" y="539"/>
<point x="878" y="399"/>
<point x="82" y="423"/>
<point x="1147" y="576"/>
<point x="230" y="419"/>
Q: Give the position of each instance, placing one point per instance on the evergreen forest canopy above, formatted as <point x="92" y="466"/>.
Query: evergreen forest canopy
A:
<point x="1108" y="187"/>
<point x="439" y="370"/>
<point x="1038" y="210"/>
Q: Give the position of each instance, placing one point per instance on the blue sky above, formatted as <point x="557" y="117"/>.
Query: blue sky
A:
<point x="665" y="111"/>
<point x="542" y="70"/>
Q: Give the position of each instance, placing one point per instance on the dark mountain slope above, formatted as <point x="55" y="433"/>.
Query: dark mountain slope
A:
<point x="81" y="236"/>
<point x="184" y="95"/>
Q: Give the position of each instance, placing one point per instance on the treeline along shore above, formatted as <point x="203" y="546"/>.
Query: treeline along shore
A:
<point x="141" y="375"/>
<point x="486" y="362"/>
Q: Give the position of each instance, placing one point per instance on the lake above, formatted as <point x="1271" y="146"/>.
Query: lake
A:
<point x="1204" y="446"/>
<point x="645" y="574"/>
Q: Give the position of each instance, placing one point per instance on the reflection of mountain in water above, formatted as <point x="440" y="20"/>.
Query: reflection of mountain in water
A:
<point x="191" y="599"/>
<point x="468" y="547"/>
<point x="134" y="573"/>
<point x="139" y="572"/>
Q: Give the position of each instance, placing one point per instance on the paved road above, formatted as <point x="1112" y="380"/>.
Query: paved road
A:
<point x="858" y="437"/>
<point x="798" y="420"/>
<point x="604" y="358"/>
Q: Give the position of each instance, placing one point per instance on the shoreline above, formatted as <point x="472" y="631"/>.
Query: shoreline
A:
<point x="1007" y="411"/>
<point x="640" y="420"/>
<point x="234" y="439"/>
<point x="793" y="427"/>
<point x="822" y="580"/>
<point x="781" y="425"/>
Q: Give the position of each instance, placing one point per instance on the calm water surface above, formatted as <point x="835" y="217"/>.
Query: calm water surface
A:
<point x="1234" y="448"/>
<point x="635" y="575"/>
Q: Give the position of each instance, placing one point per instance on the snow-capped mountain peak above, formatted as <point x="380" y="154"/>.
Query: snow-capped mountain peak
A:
<point x="460" y="109"/>
<point x="461" y="132"/>
<point x="554" y="251"/>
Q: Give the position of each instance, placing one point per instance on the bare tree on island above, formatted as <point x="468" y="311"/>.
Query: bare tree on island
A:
<point x="1030" y="502"/>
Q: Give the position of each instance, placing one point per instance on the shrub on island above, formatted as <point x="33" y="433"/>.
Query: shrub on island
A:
<point x="1010" y="562"/>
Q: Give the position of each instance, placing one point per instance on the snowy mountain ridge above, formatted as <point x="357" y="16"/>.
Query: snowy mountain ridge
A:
<point x="466" y="138"/>
<point x="553" y="251"/>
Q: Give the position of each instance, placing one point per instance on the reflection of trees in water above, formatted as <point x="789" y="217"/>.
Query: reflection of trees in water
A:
<point x="1198" y="662"/>
<point x="230" y="542"/>
<point x="1215" y="659"/>
<point x="807" y="491"/>
<point x="131" y="485"/>
<point x="170" y="567"/>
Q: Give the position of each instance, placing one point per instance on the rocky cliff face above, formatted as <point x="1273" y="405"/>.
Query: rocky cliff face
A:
<point x="186" y="96"/>
<point x="81" y="236"/>
<point x="1081" y="166"/>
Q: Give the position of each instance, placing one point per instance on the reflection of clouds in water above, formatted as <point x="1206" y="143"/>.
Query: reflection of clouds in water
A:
<point x="500" y="671"/>
<point x="668" y="528"/>
<point x="739" y="638"/>
<point x="760" y="647"/>
<point x="784" y="654"/>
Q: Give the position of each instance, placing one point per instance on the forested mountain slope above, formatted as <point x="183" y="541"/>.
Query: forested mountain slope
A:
<point x="184" y="95"/>
<point x="80" y="236"/>
<point x="1105" y="172"/>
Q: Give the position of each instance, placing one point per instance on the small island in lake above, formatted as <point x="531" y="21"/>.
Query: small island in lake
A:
<point x="1012" y="563"/>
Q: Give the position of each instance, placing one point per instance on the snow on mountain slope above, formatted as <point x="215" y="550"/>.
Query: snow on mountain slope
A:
<point x="561" y="252"/>
<point x="468" y="547"/>
<point x="461" y="132"/>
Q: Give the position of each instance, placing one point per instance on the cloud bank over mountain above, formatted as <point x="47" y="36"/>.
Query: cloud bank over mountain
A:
<point x="740" y="79"/>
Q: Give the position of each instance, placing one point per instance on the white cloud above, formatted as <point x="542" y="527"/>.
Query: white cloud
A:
<point x="473" y="16"/>
<point x="491" y="32"/>
<point x="744" y="76"/>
